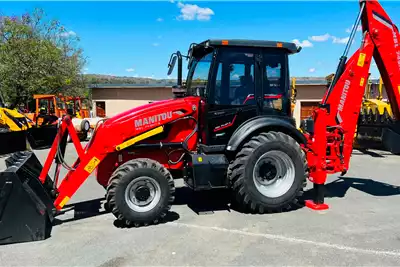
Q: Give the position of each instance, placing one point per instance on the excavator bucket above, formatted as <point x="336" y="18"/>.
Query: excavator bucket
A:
<point x="26" y="204"/>
<point x="391" y="138"/>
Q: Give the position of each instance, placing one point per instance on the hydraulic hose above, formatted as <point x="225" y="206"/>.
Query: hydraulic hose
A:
<point x="184" y="144"/>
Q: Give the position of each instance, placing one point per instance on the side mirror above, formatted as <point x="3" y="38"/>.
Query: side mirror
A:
<point x="171" y="64"/>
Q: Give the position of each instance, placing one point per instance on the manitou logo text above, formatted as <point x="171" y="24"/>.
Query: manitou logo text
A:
<point x="344" y="95"/>
<point x="153" y="119"/>
<point x="342" y="101"/>
<point x="396" y="44"/>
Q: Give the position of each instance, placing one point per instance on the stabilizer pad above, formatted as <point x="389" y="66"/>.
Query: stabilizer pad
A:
<point x="312" y="205"/>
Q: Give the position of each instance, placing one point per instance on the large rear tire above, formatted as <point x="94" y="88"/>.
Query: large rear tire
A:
<point x="269" y="173"/>
<point x="140" y="192"/>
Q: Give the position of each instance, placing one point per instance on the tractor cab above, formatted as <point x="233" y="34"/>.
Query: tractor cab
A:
<point x="238" y="80"/>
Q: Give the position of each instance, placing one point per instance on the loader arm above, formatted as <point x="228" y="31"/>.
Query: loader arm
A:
<point x="330" y="138"/>
<point x="113" y="135"/>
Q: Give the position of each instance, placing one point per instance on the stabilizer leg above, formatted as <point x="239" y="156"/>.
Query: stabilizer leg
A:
<point x="318" y="199"/>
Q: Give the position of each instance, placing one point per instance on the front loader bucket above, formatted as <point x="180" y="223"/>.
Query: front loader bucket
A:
<point x="13" y="141"/>
<point x="26" y="205"/>
<point x="42" y="137"/>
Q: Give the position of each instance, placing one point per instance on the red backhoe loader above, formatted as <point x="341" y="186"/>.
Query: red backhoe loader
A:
<point x="229" y="127"/>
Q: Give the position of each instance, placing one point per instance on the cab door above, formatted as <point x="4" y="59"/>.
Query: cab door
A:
<point x="232" y="95"/>
<point x="275" y="83"/>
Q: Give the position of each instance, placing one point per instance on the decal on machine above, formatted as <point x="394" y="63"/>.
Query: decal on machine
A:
<point x="342" y="100"/>
<point x="153" y="120"/>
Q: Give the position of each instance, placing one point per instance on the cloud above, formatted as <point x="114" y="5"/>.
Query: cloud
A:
<point x="160" y="19"/>
<point x="194" y="12"/>
<point x="155" y="44"/>
<point x="359" y="28"/>
<point x="68" y="34"/>
<point x="130" y="70"/>
<point x="85" y="69"/>
<point x="320" y="38"/>
<point x="337" y="40"/>
<point x="304" y="43"/>
<point x="312" y="70"/>
<point x="172" y="1"/>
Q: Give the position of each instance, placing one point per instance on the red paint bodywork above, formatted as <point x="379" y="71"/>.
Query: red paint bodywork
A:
<point x="331" y="132"/>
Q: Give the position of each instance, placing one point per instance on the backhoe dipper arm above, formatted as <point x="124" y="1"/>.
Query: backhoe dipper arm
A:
<point x="330" y="143"/>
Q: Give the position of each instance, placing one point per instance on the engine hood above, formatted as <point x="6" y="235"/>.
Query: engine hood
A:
<point x="154" y="107"/>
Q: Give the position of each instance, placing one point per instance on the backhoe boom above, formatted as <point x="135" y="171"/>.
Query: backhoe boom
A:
<point x="330" y="142"/>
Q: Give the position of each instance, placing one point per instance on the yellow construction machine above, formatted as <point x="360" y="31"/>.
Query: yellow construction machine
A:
<point x="13" y="130"/>
<point x="18" y="132"/>
<point x="374" y="115"/>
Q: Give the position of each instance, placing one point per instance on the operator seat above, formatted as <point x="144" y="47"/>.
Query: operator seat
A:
<point x="246" y="88"/>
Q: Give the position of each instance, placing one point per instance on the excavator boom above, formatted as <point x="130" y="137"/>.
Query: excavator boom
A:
<point x="331" y="131"/>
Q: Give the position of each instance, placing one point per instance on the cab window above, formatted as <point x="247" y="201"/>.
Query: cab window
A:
<point x="235" y="78"/>
<point x="199" y="75"/>
<point x="274" y="69"/>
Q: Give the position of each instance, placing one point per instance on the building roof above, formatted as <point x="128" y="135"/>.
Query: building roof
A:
<point x="291" y="47"/>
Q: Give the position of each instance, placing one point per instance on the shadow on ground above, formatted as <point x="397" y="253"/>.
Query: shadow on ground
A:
<point x="82" y="210"/>
<point x="207" y="202"/>
<point x="339" y="188"/>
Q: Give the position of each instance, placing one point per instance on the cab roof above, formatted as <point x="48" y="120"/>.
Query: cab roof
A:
<point x="292" y="48"/>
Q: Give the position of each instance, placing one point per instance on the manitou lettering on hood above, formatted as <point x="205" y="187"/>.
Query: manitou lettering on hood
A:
<point x="153" y="119"/>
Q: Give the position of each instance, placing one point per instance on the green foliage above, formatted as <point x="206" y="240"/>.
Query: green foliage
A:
<point x="38" y="56"/>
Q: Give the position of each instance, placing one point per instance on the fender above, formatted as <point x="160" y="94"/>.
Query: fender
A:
<point x="249" y="127"/>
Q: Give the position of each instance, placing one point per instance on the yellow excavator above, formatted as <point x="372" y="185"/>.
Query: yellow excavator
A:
<point x="14" y="127"/>
<point x="19" y="133"/>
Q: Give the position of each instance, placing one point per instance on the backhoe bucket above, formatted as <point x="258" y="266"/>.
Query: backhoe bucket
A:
<point x="26" y="205"/>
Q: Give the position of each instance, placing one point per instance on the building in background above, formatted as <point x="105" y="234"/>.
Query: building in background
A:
<point x="111" y="99"/>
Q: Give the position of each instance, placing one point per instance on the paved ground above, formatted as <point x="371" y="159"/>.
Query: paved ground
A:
<point x="361" y="228"/>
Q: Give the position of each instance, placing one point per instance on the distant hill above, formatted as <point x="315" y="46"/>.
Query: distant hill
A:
<point x="109" y="79"/>
<point x="93" y="79"/>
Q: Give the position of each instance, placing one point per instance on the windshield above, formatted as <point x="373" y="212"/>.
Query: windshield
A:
<point x="198" y="74"/>
<point x="60" y="104"/>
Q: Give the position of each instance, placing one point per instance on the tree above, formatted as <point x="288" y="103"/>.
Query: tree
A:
<point x="38" y="56"/>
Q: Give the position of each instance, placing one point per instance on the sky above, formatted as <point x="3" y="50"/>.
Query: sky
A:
<point x="136" y="39"/>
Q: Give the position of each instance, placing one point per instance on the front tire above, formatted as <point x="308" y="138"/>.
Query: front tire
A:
<point x="269" y="173"/>
<point x="140" y="192"/>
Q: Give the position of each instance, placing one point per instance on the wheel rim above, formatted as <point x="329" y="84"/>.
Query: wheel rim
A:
<point x="143" y="194"/>
<point x="274" y="174"/>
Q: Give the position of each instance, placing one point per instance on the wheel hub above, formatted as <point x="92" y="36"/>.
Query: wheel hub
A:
<point x="273" y="173"/>
<point x="142" y="193"/>
<point x="268" y="172"/>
